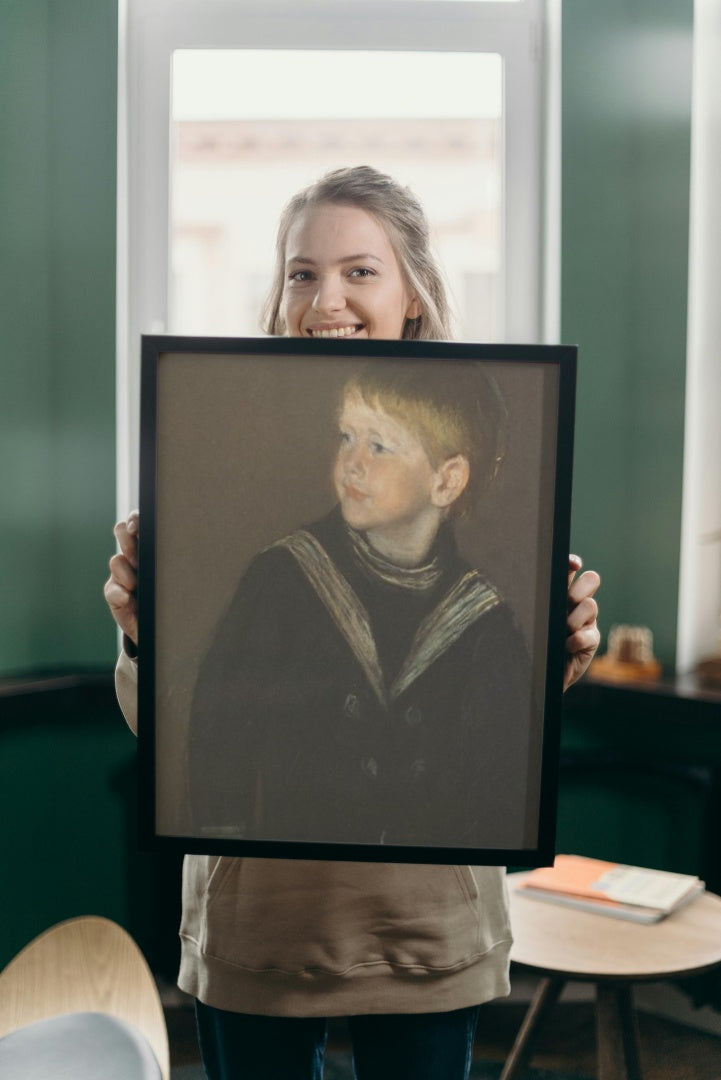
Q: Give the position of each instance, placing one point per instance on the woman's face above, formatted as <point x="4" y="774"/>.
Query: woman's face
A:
<point x="342" y="277"/>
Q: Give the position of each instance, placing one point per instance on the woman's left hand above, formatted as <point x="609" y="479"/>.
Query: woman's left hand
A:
<point x="582" y="634"/>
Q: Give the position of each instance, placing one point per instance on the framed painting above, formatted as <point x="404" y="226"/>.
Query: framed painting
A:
<point x="352" y="597"/>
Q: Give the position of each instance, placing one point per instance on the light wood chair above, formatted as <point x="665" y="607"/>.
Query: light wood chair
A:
<point x="84" y="965"/>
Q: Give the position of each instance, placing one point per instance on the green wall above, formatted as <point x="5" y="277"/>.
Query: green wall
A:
<point x="625" y="200"/>
<point x="67" y="771"/>
<point x="58" y="72"/>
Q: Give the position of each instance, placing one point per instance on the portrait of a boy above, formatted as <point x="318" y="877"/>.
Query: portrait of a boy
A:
<point x="366" y="683"/>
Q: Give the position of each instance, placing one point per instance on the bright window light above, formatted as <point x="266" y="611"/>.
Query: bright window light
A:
<point x="251" y="127"/>
<point x="220" y="84"/>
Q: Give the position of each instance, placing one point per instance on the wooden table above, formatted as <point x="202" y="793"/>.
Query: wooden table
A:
<point x="563" y="944"/>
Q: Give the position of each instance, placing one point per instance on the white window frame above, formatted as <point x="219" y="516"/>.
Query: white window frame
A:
<point x="526" y="34"/>
<point x="699" y="596"/>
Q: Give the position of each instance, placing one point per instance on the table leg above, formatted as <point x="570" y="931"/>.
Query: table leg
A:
<point x="545" y="997"/>
<point x="617" y="1033"/>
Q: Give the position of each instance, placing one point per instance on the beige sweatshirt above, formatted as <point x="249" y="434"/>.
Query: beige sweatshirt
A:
<point x="299" y="938"/>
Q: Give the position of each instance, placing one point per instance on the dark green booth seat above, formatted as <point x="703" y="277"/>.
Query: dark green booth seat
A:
<point x="68" y="806"/>
<point x="641" y="775"/>
<point x="640" y="781"/>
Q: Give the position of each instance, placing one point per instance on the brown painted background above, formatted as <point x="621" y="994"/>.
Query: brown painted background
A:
<point x="245" y="447"/>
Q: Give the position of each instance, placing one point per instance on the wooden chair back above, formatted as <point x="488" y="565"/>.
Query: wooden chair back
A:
<point x="87" y="964"/>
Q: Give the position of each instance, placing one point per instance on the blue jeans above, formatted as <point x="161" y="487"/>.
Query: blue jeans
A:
<point x="415" y="1046"/>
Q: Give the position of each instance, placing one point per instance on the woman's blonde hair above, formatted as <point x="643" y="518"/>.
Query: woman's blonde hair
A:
<point x="453" y="408"/>
<point x="403" y="217"/>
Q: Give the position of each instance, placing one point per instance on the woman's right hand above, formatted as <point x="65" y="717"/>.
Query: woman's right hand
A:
<point x="121" y="587"/>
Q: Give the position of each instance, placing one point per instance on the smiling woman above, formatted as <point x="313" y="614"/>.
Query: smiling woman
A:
<point x="353" y="259"/>
<point x="351" y="286"/>
<point x="230" y="107"/>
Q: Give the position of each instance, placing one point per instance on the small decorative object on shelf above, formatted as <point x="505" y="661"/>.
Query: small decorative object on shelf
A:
<point x="629" y="657"/>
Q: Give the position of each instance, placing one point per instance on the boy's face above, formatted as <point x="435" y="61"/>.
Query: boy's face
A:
<point x="383" y="478"/>
<point x="342" y="277"/>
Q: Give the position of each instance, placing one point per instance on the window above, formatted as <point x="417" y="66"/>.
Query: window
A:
<point x="236" y="161"/>
<point x="227" y="107"/>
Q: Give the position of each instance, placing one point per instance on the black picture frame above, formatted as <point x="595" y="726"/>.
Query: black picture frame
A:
<point x="237" y="437"/>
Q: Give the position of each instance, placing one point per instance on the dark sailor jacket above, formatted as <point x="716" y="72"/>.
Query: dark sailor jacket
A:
<point x="338" y="705"/>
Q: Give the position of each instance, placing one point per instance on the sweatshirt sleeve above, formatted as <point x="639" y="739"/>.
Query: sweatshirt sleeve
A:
<point x="126" y="688"/>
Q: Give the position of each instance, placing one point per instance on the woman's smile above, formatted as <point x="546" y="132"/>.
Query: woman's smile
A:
<point x="334" y="331"/>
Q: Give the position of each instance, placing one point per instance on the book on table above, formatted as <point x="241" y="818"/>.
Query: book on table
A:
<point x="609" y="888"/>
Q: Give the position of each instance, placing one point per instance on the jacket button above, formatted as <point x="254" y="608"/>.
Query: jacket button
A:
<point x="419" y="767"/>
<point x="351" y="707"/>
<point x="413" y="716"/>
<point x="369" y="765"/>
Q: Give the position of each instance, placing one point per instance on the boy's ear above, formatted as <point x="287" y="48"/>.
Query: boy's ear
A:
<point x="451" y="480"/>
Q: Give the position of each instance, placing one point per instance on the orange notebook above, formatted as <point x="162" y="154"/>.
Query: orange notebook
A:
<point x="631" y="892"/>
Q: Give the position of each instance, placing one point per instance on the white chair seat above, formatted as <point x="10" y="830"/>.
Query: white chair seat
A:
<point x="78" y="1046"/>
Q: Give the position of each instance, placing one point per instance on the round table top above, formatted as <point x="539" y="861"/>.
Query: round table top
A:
<point x="559" y="940"/>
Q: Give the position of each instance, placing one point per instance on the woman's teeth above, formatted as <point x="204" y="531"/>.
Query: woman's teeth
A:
<point x="337" y="331"/>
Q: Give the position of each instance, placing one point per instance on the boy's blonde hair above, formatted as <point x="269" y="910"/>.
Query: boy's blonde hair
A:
<point x="453" y="408"/>
<point x="402" y="216"/>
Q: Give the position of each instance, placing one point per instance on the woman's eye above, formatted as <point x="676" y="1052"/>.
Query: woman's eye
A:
<point x="379" y="448"/>
<point x="344" y="438"/>
<point x="300" y="276"/>
<point x="362" y="272"/>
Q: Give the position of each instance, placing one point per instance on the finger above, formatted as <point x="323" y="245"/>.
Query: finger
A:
<point x="118" y="598"/>
<point x="123" y="608"/>
<point x="582" y="614"/>
<point x="584" y="641"/>
<point x="126" y="534"/>
<point x="575" y="562"/>
<point x="123" y="573"/>
<point x="585" y="585"/>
